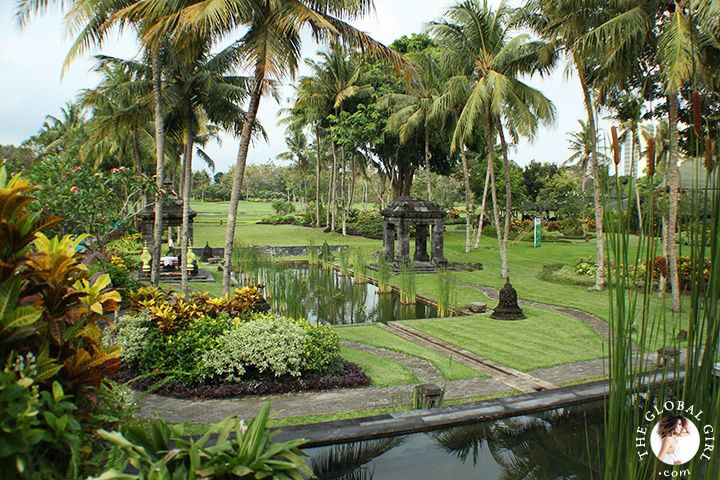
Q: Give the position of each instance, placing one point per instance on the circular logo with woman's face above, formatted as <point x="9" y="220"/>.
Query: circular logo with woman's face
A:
<point x="675" y="440"/>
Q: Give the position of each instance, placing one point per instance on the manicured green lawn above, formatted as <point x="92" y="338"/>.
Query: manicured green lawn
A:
<point x="383" y="372"/>
<point x="379" y="337"/>
<point x="545" y="338"/>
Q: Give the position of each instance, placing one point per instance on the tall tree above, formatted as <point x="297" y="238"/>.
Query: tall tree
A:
<point x="271" y="47"/>
<point x="565" y="23"/>
<point x="679" y="50"/>
<point x="478" y="40"/>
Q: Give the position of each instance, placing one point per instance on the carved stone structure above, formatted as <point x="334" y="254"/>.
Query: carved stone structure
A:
<point x="508" y="308"/>
<point x="172" y="217"/>
<point x="404" y="212"/>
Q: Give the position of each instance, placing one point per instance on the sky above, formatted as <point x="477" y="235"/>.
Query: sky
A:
<point x="31" y="65"/>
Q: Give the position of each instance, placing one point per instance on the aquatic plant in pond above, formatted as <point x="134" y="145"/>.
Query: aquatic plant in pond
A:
<point x="344" y="260"/>
<point x="359" y="268"/>
<point x="320" y="295"/>
<point x="313" y="254"/>
<point x="446" y="293"/>
<point x="383" y="276"/>
<point x="249" y="263"/>
<point x="407" y="283"/>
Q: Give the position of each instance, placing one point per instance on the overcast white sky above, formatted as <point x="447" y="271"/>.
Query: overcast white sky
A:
<point x="32" y="88"/>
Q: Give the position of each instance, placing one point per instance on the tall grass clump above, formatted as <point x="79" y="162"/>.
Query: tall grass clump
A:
<point x="384" y="275"/>
<point x="408" y="294"/>
<point x="359" y="268"/>
<point x="313" y="254"/>
<point x="344" y="260"/>
<point x="641" y="323"/>
<point x="446" y="294"/>
<point x="326" y="256"/>
<point x="250" y="263"/>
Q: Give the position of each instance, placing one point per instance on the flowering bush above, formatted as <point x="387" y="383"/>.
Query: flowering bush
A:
<point x="88" y="200"/>
<point x="130" y="335"/>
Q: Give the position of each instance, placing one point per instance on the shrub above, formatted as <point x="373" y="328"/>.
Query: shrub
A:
<point x="130" y="334"/>
<point x="321" y="352"/>
<point x="283" y="207"/>
<point x="268" y="344"/>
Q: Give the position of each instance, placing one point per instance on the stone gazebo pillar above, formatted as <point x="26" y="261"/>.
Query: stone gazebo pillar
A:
<point x="389" y="241"/>
<point x="403" y="242"/>
<point x="405" y="212"/>
<point x="438" y="257"/>
<point x="421" y="234"/>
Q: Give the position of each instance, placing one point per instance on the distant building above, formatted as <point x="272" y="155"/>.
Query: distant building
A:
<point x="630" y="157"/>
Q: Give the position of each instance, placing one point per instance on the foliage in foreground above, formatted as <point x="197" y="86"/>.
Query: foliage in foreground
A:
<point x="239" y="452"/>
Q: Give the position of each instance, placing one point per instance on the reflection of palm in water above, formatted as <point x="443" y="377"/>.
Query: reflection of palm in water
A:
<point x="559" y="444"/>
<point x="347" y="461"/>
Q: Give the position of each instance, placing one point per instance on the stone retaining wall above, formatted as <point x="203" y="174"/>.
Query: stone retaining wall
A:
<point x="276" y="251"/>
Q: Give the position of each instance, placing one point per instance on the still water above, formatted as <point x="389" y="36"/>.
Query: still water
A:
<point x="564" y="443"/>
<point x="327" y="296"/>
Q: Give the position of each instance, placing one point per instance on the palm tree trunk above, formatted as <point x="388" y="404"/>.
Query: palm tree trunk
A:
<point x="482" y="208"/>
<point x="239" y="176"/>
<point x="187" y="175"/>
<point x="600" y="251"/>
<point x="160" y="166"/>
<point x="468" y="212"/>
<point x="504" y="269"/>
<point x="427" y="160"/>
<point x="333" y="190"/>
<point x="674" y="183"/>
<point x="343" y="198"/>
<point x="493" y="189"/>
<point x="317" y="176"/>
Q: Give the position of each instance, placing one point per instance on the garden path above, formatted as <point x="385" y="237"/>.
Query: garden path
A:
<point x="423" y="370"/>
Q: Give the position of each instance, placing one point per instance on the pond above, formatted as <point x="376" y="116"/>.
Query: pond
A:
<point x="326" y="295"/>
<point x="563" y="443"/>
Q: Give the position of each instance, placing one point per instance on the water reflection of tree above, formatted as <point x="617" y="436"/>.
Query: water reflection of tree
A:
<point x="347" y="461"/>
<point x="566" y="443"/>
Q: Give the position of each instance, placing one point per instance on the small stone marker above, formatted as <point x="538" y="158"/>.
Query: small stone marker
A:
<point x="428" y="394"/>
<point x="476" y="307"/>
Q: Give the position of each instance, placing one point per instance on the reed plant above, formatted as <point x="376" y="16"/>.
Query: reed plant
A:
<point x="326" y="256"/>
<point x="446" y="294"/>
<point x="250" y="263"/>
<point x="359" y="268"/>
<point x="344" y="260"/>
<point x="408" y="294"/>
<point x="313" y="253"/>
<point x="384" y="271"/>
<point x="638" y="320"/>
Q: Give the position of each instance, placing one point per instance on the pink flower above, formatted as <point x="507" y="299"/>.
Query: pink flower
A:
<point x="98" y="174"/>
<point x="162" y="191"/>
<point x="77" y="169"/>
<point x="74" y="189"/>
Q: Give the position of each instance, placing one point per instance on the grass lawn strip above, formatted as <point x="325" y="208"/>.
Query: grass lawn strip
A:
<point x="379" y="337"/>
<point x="382" y="371"/>
<point x="544" y="339"/>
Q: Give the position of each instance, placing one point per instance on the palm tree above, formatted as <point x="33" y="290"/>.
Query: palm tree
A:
<point x="203" y="90"/>
<point x="67" y="133"/>
<point x="478" y="42"/>
<point x="122" y="112"/>
<point x="270" y="46"/>
<point x="565" y="23"/>
<point x="297" y="144"/>
<point x="678" y="49"/>
<point x="334" y="80"/>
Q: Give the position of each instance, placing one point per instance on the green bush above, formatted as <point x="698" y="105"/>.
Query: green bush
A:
<point x="321" y="353"/>
<point x="370" y="225"/>
<point x="283" y="219"/>
<point x="283" y="207"/>
<point x="268" y="344"/>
